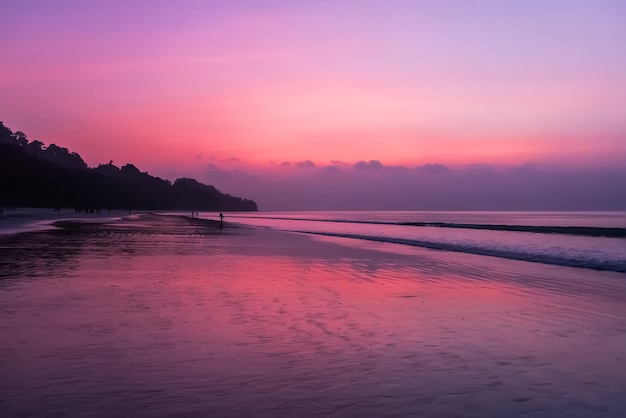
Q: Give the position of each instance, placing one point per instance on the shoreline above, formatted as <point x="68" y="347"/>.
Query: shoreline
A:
<point x="45" y="219"/>
<point x="48" y="220"/>
<point x="34" y="219"/>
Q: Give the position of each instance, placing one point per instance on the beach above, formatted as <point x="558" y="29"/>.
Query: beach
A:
<point x="154" y="315"/>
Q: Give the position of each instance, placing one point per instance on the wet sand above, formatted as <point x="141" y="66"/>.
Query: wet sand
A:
<point x="166" y="316"/>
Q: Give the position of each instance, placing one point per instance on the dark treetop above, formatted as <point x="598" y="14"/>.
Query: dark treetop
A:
<point x="32" y="175"/>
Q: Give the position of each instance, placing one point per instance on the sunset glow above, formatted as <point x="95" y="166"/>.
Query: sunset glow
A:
<point x="176" y="87"/>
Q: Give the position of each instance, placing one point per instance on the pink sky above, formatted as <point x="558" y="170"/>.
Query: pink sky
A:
<point x="175" y="86"/>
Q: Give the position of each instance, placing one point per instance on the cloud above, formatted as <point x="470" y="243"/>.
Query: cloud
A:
<point x="374" y="186"/>
<point x="305" y="164"/>
<point x="332" y="169"/>
<point x="433" y="168"/>
<point x="371" y="165"/>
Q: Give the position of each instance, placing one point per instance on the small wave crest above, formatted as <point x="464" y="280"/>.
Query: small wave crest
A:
<point x="585" y="231"/>
<point x="595" y="264"/>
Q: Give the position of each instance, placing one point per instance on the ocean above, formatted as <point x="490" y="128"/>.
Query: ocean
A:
<point x="594" y="240"/>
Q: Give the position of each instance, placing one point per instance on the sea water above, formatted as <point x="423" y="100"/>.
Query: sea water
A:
<point x="595" y="240"/>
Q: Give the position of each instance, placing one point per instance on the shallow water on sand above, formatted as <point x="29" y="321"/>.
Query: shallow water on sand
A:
<point x="162" y="316"/>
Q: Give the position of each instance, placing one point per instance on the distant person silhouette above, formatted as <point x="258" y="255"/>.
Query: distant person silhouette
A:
<point x="221" y="220"/>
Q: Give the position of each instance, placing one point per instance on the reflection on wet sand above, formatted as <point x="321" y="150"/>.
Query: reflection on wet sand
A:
<point x="156" y="315"/>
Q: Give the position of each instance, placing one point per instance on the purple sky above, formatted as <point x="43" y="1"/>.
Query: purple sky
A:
<point x="238" y="93"/>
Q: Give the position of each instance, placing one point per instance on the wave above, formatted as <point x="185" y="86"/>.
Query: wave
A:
<point x="585" y="231"/>
<point x="595" y="264"/>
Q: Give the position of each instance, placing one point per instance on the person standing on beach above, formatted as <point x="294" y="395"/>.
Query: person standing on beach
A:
<point x="221" y="219"/>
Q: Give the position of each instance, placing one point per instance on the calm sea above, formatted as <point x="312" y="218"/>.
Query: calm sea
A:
<point x="595" y="240"/>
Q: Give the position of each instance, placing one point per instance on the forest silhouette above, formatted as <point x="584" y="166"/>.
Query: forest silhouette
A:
<point x="33" y="175"/>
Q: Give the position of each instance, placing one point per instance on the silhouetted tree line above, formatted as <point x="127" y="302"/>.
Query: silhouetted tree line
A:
<point x="32" y="175"/>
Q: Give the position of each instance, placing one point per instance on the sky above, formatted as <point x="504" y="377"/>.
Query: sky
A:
<point x="354" y="104"/>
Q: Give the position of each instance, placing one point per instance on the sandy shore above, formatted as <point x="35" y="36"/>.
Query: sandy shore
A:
<point x="166" y="316"/>
<point x="13" y="221"/>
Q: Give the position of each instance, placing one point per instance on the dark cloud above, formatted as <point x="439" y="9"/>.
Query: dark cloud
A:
<point x="305" y="164"/>
<point x="371" y="165"/>
<point x="429" y="187"/>
<point x="433" y="168"/>
<point x="483" y="169"/>
<point x="332" y="169"/>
